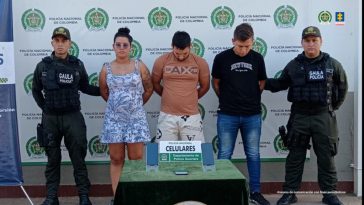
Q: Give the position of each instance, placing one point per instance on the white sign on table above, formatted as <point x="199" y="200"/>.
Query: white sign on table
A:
<point x="180" y="151"/>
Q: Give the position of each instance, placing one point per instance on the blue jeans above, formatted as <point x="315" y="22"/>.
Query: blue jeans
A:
<point x="250" y="129"/>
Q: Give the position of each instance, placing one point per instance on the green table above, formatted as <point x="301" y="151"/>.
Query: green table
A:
<point x="227" y="185"/>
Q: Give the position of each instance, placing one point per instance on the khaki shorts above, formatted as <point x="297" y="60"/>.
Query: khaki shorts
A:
<point x="179" y="127"/>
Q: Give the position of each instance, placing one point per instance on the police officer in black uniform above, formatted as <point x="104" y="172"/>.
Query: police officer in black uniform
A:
<point x="56" y="84"/>
<point x="317" y="87"/>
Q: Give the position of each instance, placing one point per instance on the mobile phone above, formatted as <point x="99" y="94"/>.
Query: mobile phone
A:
<point x="181" y="172"/>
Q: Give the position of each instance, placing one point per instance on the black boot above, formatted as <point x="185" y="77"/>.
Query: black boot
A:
<point x="331" y="199"/>
<point x="287" y="199"/>
<point x="51" y="200"/>
<point x="84" y="200"/>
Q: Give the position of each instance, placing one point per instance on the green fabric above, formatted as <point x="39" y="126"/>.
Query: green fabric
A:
<point x="227" y="185"/>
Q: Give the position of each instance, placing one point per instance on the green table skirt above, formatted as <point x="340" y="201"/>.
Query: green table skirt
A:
<point x="224" y="186"/>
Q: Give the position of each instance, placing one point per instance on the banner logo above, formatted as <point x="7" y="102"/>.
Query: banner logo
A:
<point x="278" y="74"/>
<point x="28" y="83"/>
<point x="215" y="143"/>
<point x="96" y="148"/>
<point x="74" y="50"/>
<point x="159" y="18"/>
<point x="339" y="18"/>
<point x="33" y="149"/>
<point x="197" y="47"/>
<point x="153" y="139"/>
<point x="136" y="50"/>
<point x="96" y="19"/>
<point x="279" y="146"/>
<point x="93" y="79"/>
<point x="324" y="17"/>
<point x="285" y="16"/>
<point x="157" y="136"/>
<point x="222" y="17"/>
<point x="33" y="20"/>
<point x="264" y="111"/>
<point x="201" y="109"/>
<point x="260" y="46"/>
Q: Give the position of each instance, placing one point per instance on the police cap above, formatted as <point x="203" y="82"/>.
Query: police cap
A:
<point x="61" y="31"/>
<point x="311" y="31"/>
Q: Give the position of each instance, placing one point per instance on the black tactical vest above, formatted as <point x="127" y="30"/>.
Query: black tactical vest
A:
<point x="312" y="83"/>
<point x="60" y="83"/>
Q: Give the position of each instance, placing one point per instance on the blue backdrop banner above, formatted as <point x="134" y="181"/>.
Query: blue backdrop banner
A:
<point x="10" y="163"/>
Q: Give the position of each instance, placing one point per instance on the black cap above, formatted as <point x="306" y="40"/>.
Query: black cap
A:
<point x="61" y="31"/>
<point x="311" y="31"/>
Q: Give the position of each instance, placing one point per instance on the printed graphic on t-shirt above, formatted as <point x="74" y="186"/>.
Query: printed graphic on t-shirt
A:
<point x="181" y="70"/>
<point x="191" y="137"/>
<point x="241" y="67"/>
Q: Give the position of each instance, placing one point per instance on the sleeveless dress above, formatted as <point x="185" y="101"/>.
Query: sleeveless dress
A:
<point x="125" y="118"/>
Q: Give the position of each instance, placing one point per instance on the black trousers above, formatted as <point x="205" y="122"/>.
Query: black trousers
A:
<point x="72" y="127"/>
<point x="322" y="129"/>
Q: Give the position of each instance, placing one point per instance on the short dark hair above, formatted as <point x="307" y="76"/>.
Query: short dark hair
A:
<point x="243" y="32"/>
<point x="124" y="32"/>
<point x="181" y="40"/>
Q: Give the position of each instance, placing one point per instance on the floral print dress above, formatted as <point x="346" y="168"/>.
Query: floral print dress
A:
<point x="125" y="118"/>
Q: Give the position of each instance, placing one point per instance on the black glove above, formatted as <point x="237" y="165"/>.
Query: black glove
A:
<point x="41" y="136"/>
<point x="282" y="132"/>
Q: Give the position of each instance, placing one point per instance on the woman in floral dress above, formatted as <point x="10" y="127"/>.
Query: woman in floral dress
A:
<point x="126" y="86"/>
